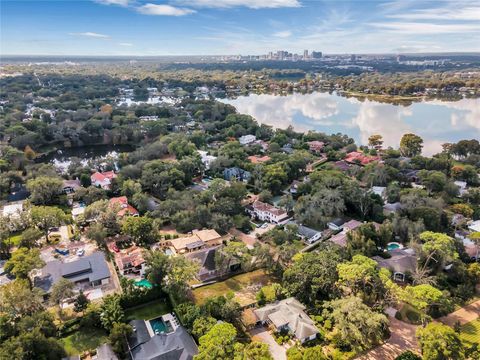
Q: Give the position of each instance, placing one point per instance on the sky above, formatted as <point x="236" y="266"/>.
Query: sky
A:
<point x="230" y="27"/>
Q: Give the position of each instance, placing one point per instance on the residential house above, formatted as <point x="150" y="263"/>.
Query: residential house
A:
<point x="87" y="272"/>
<point x="474" y="226"/>
<point x="209" y="270"/>
<point x="103" y="180"/>
<point x="307" y="234"/>
<point x="247" y="139"/>
<point x="130" y="261"/>
<point x="341" y="165"/>
<point x="380" y="191"/>
<point x="70" y="186"/>
<point x="359" y="158"/>
<point x="263" y="144"/>
<point x="288" y="315"/>
<point x="13" y="210"/>
<point x="235" y="173"/>
<point x="462" y="187"/>
<point x="316" y="146"/>
<point x="391" y="208"/>
<point x="341" y="237"/>
<point x="199" y="239"/>
<point x="402" y="262"/>
<point x="145" y="344"/>
<point x="125" y="208"/>
<point x="293" y="189"/>
<point x="287" y="148"/>
<point x="254" y="159"/>
<point x="5" y="278"/>
<point x="266" y="212"/>
<point x="207" y="160"/>
<point x="336" y="224"/>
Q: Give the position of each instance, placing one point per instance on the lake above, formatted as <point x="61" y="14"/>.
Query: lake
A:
<point x="436" y="121"/>
<point x="62" y="158"/>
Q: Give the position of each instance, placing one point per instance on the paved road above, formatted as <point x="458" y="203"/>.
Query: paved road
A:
<point x="261" y="334"/>
<point x="464" y="315"/>
<point x="402" y="338"/>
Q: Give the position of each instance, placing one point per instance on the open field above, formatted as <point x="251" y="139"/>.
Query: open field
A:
<point x="244" y="286"/>
<point x="148" y="311"/>
<point x="470" y="333"/>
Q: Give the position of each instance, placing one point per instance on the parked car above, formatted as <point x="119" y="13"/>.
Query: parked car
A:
<point x="64" y="252"/>
<point x="115" y="248"/>
<point x="80" y="252"/>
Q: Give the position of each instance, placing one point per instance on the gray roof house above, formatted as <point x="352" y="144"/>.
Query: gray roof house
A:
<point x="308" y="234"/>
<point x="288" y="314"/>
<point x="92" y="270"/>
<point x="206" y="259"/>
<point x="177" y="345"/>
<point x="403" y="261"/>
<point x="235" y="173"/>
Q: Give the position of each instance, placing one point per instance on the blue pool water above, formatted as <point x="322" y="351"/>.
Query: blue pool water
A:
<point x="160" y="327"/>
<point x="144" y="283"/>
<point x="393" y="246"/>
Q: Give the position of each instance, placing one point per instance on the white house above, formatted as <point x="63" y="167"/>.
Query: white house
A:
<point x="462" y="187"/>
<point x="247" y="139"/>
<point x="267" y="212"/>
<point x="103" y="180"/>
<point x="380" y="191"/>
<point x="13" y="210"/>
<point x="206" y="159"/>
<point x="474" y="226"/>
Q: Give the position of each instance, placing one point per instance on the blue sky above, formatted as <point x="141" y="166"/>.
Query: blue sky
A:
<point x="214" y="27"/>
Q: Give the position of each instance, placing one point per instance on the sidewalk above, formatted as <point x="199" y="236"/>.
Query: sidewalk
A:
<point x="464" y="315"/>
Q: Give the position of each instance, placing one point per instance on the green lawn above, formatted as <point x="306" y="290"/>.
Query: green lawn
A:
<point x="244" y="286"/>
<point x="15" y="238"/>
<point x="471" y="332"/>
<point x="84" y="339"/>
<point x="410" y="314"/>
<point x="148" y="311"/>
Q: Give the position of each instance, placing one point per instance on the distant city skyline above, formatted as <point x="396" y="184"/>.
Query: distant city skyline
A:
<point x="232" y="27"/>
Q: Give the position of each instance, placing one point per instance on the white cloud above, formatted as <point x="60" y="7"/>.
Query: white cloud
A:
<point x="163" y="10"/>
<point x="125" y="44"/>
<point x="114" y="2"/>
<point x="423" y="28"/>
<point x="467" y="13"/>
<point x="252" y="4"/>
<point x="283" y="34"/>
<point x="91" y="35"/>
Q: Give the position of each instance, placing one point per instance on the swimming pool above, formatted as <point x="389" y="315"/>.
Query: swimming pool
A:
<point x="393" y="246"/>
<point x="160" y="327"/>
<point x="144" y="283"/>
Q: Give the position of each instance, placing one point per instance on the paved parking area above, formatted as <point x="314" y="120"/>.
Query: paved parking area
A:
<point x="262" y="334"/>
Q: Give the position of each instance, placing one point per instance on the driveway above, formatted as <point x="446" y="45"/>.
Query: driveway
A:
<point x="248" y="240"/>
<point x="261" y="334"/>
<point x="402" y="338"/>
<point x="464" y="315"/>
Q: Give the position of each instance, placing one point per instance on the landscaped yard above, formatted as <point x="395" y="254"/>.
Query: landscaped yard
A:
<point x="148" y="311"/>
<point x="471" y="332"/>
<point x="244" y="286"/>
<point x="84" y="339"/>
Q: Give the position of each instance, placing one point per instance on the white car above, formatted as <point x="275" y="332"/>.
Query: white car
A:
<point x="80" y="252"/>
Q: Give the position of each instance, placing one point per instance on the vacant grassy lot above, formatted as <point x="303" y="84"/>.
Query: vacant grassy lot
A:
<point x="148" y="311"/>
<point x="471" y="332"/>
<point x="244" y="286"/>
<point x="84" y="339"/>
